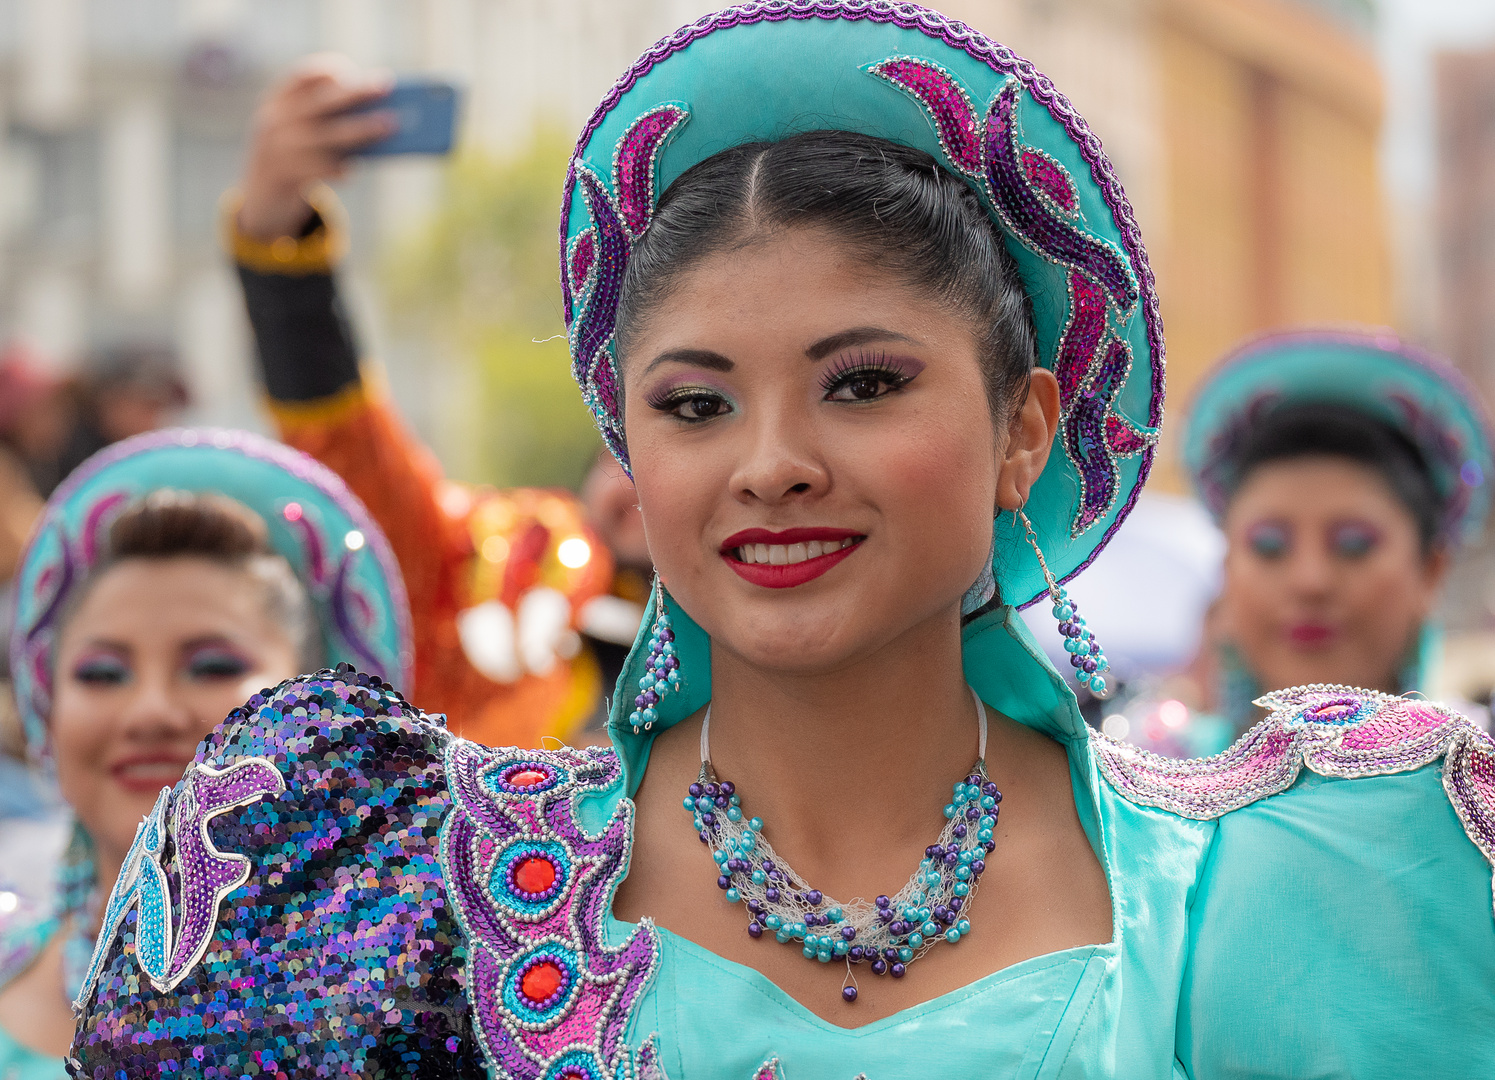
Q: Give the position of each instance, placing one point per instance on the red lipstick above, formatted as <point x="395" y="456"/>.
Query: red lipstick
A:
<point x="808" y="566"/>
<point x="1311" y="635"/>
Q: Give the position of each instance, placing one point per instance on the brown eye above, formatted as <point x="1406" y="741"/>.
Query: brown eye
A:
<point x="863" y="389"/>
<point x="700" y="407"/>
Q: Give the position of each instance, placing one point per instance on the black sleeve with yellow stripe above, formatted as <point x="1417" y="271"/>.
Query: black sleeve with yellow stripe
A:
<point x="303" y="338"/>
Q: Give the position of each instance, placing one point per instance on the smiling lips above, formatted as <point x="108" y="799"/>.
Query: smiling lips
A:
<point x="1311" y="635"/>
<point x="782" y="560"/>
<point x="148" y="774"/>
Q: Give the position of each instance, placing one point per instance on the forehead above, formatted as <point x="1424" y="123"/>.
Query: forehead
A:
<point x="160" y="598"/>
<point x="1314" y="487"/>
<point x="800" y="284"/>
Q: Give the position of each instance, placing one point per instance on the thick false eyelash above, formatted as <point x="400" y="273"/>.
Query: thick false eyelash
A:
<point x="863" y="365"/>
<point x="675" y="395"/>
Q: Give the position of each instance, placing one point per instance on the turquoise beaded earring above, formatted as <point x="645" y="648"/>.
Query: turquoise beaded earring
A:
<point x="1085" y="653"/>
<point x="661" y="671"/>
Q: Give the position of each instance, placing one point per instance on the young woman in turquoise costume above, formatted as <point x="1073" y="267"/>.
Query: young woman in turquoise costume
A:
<point x="168" y="577"/>
<point x="838" y="276"/>
<point x="1347" y="469"/>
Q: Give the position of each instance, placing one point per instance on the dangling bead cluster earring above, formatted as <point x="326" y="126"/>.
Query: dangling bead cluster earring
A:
<point x="1085" y="653"/>
<point x="661" y="672"/>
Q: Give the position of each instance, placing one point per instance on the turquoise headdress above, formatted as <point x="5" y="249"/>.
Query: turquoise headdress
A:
<point x="1368" y="369"/>
<point x="325" y="533"/>
<point x="765" y="71"/>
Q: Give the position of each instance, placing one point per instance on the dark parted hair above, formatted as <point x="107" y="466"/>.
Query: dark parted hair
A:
<point x="1321" y="429"/>
<point x="169" y="524"/>
<point x="893" y="206"/>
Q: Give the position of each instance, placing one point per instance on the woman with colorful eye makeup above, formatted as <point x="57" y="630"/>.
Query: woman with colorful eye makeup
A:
<point x="172" y="577"/>
<point x="1346" y="469"/>
<point x="856" y="299"/>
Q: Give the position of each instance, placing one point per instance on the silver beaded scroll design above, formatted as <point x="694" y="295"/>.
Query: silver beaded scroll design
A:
<point x="1335" y="731"/>
<point x="166" y="948"/>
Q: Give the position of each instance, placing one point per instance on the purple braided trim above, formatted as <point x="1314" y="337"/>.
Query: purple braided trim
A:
<point x="253" y="446"/>
<point x="1000" y="59"/>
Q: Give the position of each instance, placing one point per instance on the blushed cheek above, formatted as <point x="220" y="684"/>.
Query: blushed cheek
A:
<point x="79" y="746"/>
<point x="945" y="496"/>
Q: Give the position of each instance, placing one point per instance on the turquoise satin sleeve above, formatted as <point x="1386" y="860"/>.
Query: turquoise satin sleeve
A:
<point x="19" y="1063"/>
<point x="1342" y="929"/>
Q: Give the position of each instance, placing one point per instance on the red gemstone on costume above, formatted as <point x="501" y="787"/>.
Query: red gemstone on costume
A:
<point x="527" y="778"/>
<point x="541" y="981"/>
<point x="534" y="875"/>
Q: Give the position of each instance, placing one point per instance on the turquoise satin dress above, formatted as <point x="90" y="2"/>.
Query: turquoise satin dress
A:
<point x="24" y="933"/>
<point x="1338" y="927"/>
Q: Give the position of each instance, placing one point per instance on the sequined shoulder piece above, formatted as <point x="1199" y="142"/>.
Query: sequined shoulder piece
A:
<point x="1334" y="731"/>
<point x="550" y="998"/>
<point x="289" y="912"/>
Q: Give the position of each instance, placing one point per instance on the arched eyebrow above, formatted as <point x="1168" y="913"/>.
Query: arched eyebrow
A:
<point x="715" y="361"/>
<point x="702" y="358"/>
<point x="860" y="335"/>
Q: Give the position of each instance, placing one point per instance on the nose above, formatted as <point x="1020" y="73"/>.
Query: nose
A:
<point x="782" y="462"/>
<point x="154" y="712"/>
<point x="1311" y="571"/>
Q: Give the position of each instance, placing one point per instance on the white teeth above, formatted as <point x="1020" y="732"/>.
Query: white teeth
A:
<point x="789" y="554"/>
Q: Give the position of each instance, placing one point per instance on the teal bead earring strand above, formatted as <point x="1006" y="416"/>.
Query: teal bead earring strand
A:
<point x="661" y="670"/>
<point x="1085" y="653"/>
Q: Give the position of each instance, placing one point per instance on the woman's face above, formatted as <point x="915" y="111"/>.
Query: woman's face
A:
<point x="158" y="652"/>
<point x="1325" y="577"/>
<point x="815" y="457"/>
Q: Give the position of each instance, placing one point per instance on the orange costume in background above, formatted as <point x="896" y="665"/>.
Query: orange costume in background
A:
<point x="495" y="578"/>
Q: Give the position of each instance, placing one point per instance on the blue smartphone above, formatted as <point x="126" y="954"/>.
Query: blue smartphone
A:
<point x="425" y="110"/>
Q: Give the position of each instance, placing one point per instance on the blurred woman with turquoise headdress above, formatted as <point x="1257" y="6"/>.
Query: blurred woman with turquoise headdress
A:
<point x="1347" y="469"/>
<point x="857" y="299"/>
<point x="170" y="577"/>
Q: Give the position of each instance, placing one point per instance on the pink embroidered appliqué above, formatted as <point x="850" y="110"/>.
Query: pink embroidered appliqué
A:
<point x="1334" y="731"/>
<point x="531" y="888"/>
<point x="946" y="102"/>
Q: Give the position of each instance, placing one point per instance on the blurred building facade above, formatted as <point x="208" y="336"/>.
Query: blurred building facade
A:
<point x="1246" y="133"/>
<point x="1244" y="130"/>
<point x="1465" y="96"/>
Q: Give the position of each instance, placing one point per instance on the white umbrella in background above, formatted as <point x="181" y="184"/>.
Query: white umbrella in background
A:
<point x="1146" y="594"/>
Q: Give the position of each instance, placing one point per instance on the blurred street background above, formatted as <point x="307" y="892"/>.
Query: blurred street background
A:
<point x="1290" y="161"/>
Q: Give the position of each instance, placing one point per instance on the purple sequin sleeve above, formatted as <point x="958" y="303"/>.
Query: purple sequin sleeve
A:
<point x="339" y="954"/>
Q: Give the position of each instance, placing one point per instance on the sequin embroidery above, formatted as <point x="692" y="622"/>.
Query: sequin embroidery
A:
<point x="1334" y="731"/>
<point x="1038" y="203"/>
<point x="339" y="954"/>
<point x="599" y="255"/>
<point x="550" y="999"/>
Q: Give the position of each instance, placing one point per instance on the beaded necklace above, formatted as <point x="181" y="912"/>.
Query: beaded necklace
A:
<point x="887" y="934"/>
